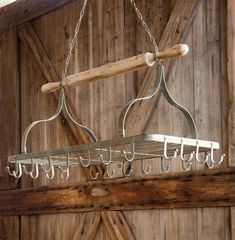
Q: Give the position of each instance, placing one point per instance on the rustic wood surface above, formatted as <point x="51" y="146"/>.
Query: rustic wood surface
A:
<point x="9" y="122"/>
<point x="179" y="190"/>
<point x="20" y="11"/>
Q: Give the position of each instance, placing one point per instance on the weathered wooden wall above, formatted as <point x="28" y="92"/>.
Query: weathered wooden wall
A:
<point x="111" y="31"/>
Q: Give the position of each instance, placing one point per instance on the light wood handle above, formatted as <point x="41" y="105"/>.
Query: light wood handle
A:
<point x="131" y="64"/>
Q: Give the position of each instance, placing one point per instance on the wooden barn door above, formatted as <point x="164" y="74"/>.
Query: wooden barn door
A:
<point x="34" y="53"/>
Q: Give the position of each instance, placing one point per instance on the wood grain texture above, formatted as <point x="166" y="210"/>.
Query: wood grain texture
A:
<point x="9" y="228"/>
<point x="88" y="226"/>
<point x="231" y="78"/>
<point x="182" y="190"/>
<point x="22" y="11"/>
<point x="9" y="96"/>
<point x="115" y="223"/>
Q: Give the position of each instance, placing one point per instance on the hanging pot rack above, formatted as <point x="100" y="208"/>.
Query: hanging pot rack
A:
<point x="124" y="149"/>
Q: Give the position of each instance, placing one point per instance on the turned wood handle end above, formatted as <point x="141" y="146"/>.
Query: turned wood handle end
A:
<point x="50" y="87"/>
<point x="176" y="51"/>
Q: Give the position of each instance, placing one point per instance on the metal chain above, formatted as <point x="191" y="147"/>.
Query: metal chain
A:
<point x="152" y="39"/>
<point x="72" y="44"/>
<point x="77" y="28"/>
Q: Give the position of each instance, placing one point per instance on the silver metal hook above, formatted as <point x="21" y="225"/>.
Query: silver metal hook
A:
<point x="91" y="174"/>
<point x="52" y="173"/>
<point x="32" y="168"/>
<point x="210" y="165"/>
<point x="212" y="156"/>
<point x="17" y="173"/>
<point x="49" y="164"/>
<point x="197" y="155"/>
<point x="36" y="170"/>
<point x="163" y="167"/>
<point x="66" y="170"/>
<point x="186" y="168"/>
<point x="182" y="153"/>
<point x="132" y="153"/>
<point x="89" y="159"/>
<point x="108" y="173"/>
<point x="124" y="171"/>
<point x="109" y="157"/>
<point x="165" y="151"/>
<point x="148" y="171"/>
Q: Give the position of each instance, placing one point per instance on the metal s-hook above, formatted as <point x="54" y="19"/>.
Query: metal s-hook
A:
<point x="91" y="174"/>
<point x="89" y="159"/>
<point x="182" y="153"/>
<point x="144" y="171"/>
<point x="132" y="152"/>
<point x="17" y="173"/>
<point x="32" y="168"/>
<point x="186" y="168"/>
<point x="185" y="161"/>
<point x="66" y="170"/>
<point x="212" y="156"/>
<point x="165" y="151"/>
<point x="110" y="175"/>
<point x="109" y="157"/>
<point x="164" y="168"/>
<point x="197" y="155"/>
<point x="36" y="170"/>
<point x="125" y="171"/>
<point x="52" y="173"/>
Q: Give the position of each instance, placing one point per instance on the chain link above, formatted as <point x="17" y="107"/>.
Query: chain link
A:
<point x="77" y="28"/>
<point x="73" y="41"/>
<point x="147" y="30"/>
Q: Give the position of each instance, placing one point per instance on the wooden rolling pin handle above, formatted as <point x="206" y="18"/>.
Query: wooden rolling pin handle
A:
<point x="113" y="69"/>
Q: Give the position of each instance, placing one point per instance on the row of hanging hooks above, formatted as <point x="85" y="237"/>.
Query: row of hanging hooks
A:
<point x="126" y="157"/>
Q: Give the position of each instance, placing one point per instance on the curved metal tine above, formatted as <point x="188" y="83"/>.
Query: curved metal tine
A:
<point x="182" y="153"/>
<point x="69" y="117"/>
<point x="89" y="159"/>
<point x="66" y="170"/>
<point x="109" y="157"/>
<point x="132" y="153"/>
<point x="210" y="165"/>
<point x="17" y="173"/>
<point x="197" y="155"/>
<point x="108" y="173"/>
<point x="28" y="129"/>
<point x="49" y="164"/>
<point x="125" y="171"/>
<point x="51" y="169"/>
<point x="32" y="168"/>
<point x="186" y="168"/>
<point x="165" y="151"/>
<point x="163" y="167"/>
<point x="212" y="156"/>
<point x="151" y="92"/>
<point x="36" y="170"/>
<point x="144" y="171"/>
<point x="52" y="173"/>
<point x="91" y="174"/>
<point x="170" y="100"/>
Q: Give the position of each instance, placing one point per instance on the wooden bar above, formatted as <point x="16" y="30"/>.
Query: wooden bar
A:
<point x="131" y="64"/>
<point x="204" y="188"/>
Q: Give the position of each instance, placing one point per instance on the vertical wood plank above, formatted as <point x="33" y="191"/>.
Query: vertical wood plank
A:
<point x="9" y="122"/>
<point x="9" y="105"/>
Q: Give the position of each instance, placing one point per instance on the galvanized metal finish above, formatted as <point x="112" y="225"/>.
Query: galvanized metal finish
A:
<point x="124" y="149"/>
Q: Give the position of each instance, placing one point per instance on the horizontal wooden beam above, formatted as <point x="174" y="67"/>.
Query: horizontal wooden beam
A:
<point x="23" y="11"/>
<point x="204" y="188"/>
